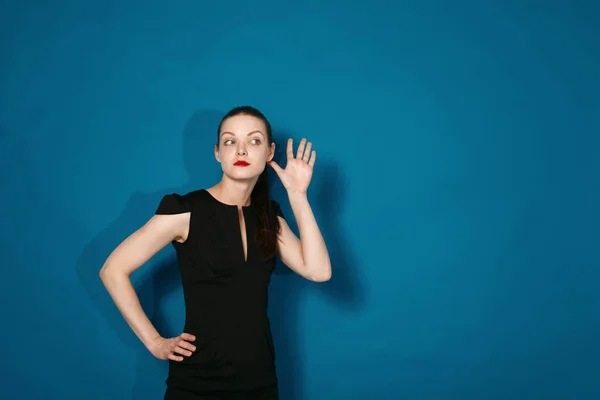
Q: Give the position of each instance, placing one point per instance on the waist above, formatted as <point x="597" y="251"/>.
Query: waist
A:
<point x="211" y="300"/>
<point x="220" y="319"/>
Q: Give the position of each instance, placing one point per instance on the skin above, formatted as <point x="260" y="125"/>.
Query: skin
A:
<point x="242" y="137"/>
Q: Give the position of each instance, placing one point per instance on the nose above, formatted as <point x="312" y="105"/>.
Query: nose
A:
<point x="241" y="151"/>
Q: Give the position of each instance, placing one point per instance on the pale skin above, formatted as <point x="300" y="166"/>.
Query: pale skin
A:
<point x="244" y="138"/>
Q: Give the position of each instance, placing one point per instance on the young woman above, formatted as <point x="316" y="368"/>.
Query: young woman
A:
<point x="226" y="239"/>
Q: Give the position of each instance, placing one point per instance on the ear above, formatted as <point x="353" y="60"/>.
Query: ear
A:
<point x="271" y="152"/>
<point x="216" y="149"/>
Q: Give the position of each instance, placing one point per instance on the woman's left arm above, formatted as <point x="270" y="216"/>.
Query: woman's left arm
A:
<point x="308" y="255"/>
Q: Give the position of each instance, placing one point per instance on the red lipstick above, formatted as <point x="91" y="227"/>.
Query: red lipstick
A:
<point x="241" y="163"/>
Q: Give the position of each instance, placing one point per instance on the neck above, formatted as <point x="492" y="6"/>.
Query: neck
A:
<point x="234" y="192"/>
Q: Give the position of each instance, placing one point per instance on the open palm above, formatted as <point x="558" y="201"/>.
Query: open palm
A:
<point x="298" y="170"/>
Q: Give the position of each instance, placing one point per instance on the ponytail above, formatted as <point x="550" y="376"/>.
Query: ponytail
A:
<point x="268" y="224"/>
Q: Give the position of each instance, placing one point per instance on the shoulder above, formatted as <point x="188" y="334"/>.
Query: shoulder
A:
<point x="178" y="203"/>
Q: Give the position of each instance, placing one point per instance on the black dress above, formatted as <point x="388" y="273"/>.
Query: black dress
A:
<point x="226" y="304"/>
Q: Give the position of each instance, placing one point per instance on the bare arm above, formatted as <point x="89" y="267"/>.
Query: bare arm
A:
<point x="130" y="255"/>
<point x="307" y="256"/>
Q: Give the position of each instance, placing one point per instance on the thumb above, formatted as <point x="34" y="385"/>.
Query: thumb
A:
<point x="276" y="167"/>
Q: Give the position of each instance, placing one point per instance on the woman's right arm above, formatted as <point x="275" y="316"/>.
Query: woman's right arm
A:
<point x="130" y="255"/>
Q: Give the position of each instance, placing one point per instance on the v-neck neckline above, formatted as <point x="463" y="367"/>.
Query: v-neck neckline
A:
<point x="241" y="231"/>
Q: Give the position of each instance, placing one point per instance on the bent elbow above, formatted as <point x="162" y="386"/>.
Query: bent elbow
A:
<point x="322" y="279"/>
<point x="106" y="272"/>
<point x="322" y="276"/>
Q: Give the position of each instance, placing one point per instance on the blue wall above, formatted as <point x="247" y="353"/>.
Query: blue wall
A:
<point x="456" y="185"/>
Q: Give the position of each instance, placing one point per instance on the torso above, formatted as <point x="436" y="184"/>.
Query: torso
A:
<point x="225" y="284"/>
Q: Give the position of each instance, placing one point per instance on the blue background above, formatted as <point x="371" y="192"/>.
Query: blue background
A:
<point x="456" y="185"/>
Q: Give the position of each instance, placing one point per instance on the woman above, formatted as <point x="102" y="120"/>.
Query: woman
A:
<point x="226" y="239"/>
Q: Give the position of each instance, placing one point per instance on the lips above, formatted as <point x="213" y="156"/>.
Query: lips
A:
<point x="241" y="163"/>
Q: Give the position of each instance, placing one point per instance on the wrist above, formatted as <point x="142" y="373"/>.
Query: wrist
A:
<point x="153" y="342"/>
<point x="297" y="197"/>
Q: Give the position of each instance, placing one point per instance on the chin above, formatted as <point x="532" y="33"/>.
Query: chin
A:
<point x="243" y="174"/>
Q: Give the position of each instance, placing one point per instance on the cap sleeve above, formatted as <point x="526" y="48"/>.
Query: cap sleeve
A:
<point x="172" y="204"/>
<point x="277" y="209"/>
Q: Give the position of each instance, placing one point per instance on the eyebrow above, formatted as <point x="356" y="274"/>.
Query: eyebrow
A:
<point x="249" y="133"/>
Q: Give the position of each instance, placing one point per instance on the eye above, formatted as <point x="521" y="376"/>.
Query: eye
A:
<point x="228" y="142"/>
<point x="255" y="141"/>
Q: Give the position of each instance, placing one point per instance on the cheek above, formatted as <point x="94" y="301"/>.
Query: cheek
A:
<point x="260" y="153"/>
<point x="227" y="151"/>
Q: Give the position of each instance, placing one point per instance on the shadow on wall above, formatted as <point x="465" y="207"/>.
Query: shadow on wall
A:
<point x="326" y="194"/>
<point x="161" y="278"/>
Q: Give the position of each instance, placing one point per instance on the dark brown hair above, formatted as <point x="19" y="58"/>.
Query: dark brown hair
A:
<point x="268" y="224"/>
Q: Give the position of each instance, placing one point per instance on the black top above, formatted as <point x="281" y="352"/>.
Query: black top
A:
<point x="225" y="298"/>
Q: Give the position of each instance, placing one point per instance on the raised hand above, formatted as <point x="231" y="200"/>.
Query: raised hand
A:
<point x="298" y="170"/>
<point x="173" y="348"/>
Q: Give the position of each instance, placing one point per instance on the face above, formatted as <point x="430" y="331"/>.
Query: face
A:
<point x="243" y="149"/>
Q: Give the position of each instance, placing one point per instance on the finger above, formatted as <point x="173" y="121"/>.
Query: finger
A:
<point x="182" y="351"/>
<point x="289" y="152"/>
<point x="188" y="337"/>
<point x="313" y="158"/>
<point x="174" y="357"/>
<point x="307" y="152"/>
<point x="276" y="167"/>
<point x="300" y="151"/>
<point x="186" y="345"/>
